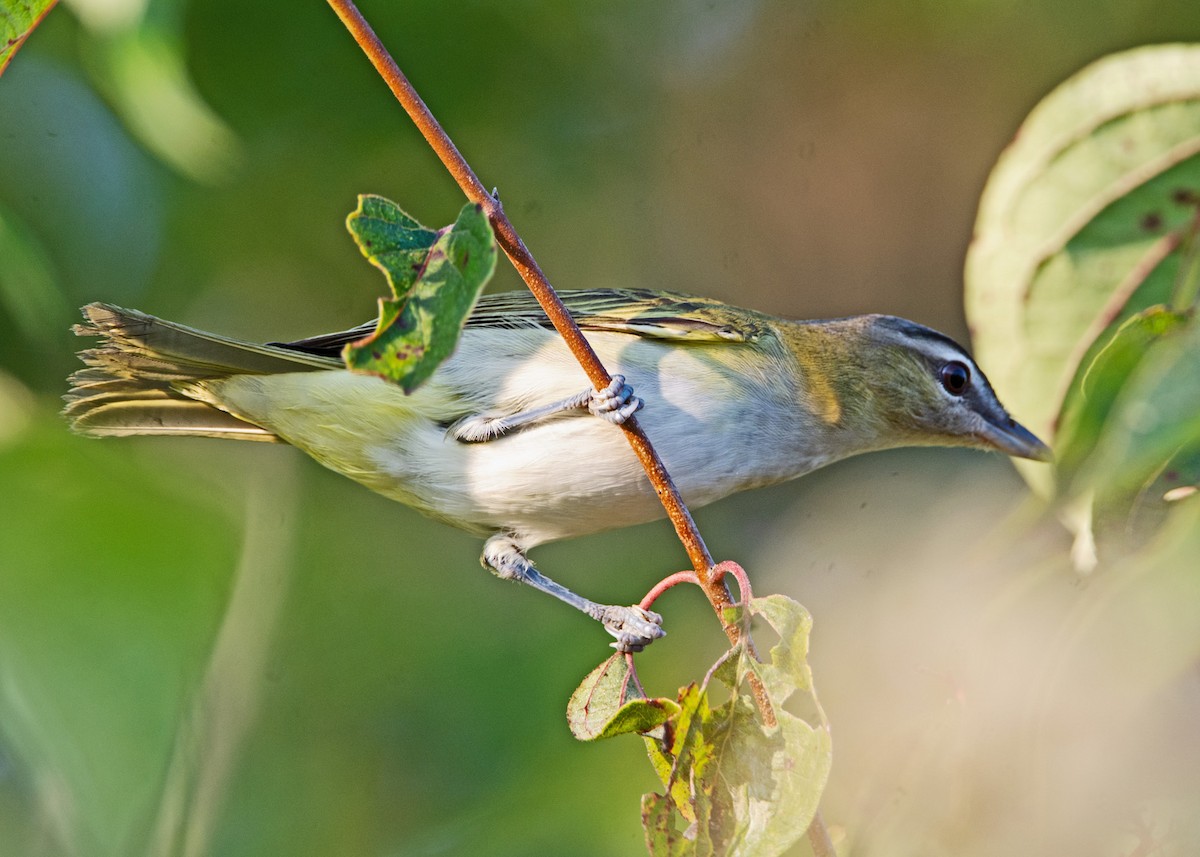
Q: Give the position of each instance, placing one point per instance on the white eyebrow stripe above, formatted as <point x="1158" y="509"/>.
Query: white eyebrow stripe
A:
<point x="936" y="346"/>
<point x="939" y="351"/>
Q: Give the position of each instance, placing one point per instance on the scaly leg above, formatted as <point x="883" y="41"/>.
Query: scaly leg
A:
<point x="615" y="403"/>
<point x="633" y="627"/>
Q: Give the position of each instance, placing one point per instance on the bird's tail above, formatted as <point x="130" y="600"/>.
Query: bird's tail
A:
<point x="136" y="379"/>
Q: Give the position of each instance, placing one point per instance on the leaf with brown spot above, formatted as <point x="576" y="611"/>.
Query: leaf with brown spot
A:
<point x="1081" y="225"/>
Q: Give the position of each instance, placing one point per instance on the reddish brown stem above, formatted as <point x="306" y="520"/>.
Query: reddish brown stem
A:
<point x="667" y="583"/>
<point x="512" y="245"/>
<point x="16" y="44"/>
<point x="739" y="574"/>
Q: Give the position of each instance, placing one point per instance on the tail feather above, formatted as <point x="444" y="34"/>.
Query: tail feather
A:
<point x="137" y="344"/>
<point x="135" y="382"/>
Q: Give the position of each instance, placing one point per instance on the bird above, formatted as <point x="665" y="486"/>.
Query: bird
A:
<point x="508" y="439"/>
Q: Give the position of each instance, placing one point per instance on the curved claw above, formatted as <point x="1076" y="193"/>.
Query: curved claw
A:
<point x="616" y="402"/>
<point x="633" y="627"/>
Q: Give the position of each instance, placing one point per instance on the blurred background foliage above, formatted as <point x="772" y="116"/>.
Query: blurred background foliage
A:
<point x="207" y="648"/>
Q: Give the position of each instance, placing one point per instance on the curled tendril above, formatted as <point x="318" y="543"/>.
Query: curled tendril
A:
<point x="718" y="573"/>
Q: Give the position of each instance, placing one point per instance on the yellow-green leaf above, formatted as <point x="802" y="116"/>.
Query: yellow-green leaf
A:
<point x="738" y="786"/>
<point x="1094" y="393"/>
<point x="608" y="703"/>
<point x="1081" y="224"/>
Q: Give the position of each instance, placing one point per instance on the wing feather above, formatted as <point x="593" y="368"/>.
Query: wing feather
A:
<point x="637" y="312"/>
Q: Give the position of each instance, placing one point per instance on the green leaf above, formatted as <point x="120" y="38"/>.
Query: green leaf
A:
<point x="29" y="290"/>
<point x="662" y="838"/>
<point x="680" y="756"/>
<point x="1138" y="432"/>
<point x="1156" y="419"/>
<point x="607" y="703"/>
<point x="1081" y="225"/>
<point x="17" y="20"/>
<point x="1127" y="518"/>
<point x="741" y="787"/>
<point x="781" y="771"/>
<point x="1094" y="393"/>
<point x="435" y="277"/>
<point x="141" y="68"/>
<point x="787" y="670"/>
<point x="392" y="241"/>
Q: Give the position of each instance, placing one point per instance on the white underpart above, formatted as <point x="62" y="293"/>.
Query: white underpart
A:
<point x="568" y="475"/>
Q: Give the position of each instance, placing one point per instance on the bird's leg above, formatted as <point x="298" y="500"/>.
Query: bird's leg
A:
<point x="615" y="403"/>
<point x="633" y="627"/>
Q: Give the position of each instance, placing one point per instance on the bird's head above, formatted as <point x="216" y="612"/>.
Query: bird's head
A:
<point x="898" y="383"/>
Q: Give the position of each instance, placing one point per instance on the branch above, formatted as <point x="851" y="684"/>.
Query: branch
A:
<point x="510" y="242"/>
<point x="710" y="580"/>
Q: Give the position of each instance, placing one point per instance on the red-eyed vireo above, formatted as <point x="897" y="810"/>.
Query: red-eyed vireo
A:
<point x="502" y="442"/>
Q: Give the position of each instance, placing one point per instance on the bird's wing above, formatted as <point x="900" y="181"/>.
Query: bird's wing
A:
<point x="638" y="312"/>
<point x="657" y="315"/>
<point x="329" y="344"/>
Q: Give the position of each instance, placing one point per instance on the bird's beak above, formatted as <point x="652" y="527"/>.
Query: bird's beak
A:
<point x="1012" y="438"/>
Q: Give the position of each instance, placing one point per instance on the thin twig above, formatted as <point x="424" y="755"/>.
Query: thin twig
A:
<point x="666" y="583"/>
<point x="509" y="241"/>
<point x="506" y="236"/>
<point x="739" y="573"/>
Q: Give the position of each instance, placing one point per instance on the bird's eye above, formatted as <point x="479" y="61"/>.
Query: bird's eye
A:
<point x="955" y="378"/>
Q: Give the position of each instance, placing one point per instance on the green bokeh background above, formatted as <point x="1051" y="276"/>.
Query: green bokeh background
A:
<point x="208" y="648"/>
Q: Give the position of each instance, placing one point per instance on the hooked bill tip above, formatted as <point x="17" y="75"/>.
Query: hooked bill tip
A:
<point x="1014" y="439"/>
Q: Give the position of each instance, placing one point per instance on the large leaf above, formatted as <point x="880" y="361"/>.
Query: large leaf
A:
<point x="1081" y="224"/>
<point x="775" y="776"/>
<point x="1130" y="438"/>
<point x="734" y="785"/>
<point x="17" y="20"/>
<point x="435" y="277"/>
<point x="1095" y="393"/>
<point x="1156" y="419"/>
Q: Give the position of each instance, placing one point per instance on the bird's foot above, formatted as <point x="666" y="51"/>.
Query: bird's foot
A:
<point x="633" y="627"/>
<point x="616" y="402"/>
